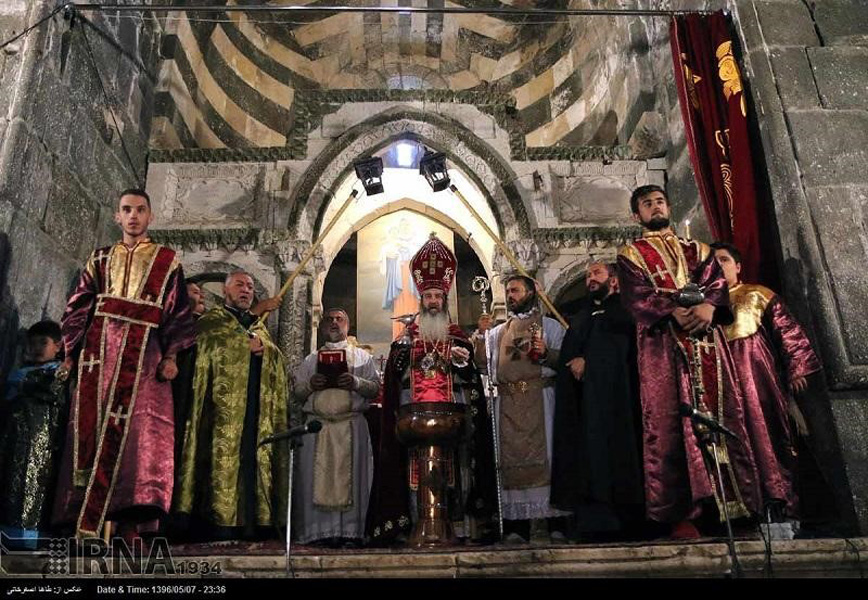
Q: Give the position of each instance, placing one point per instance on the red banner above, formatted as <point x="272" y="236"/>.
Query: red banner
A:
<point x="714" y="108"/>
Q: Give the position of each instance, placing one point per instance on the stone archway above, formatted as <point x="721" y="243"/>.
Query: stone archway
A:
<point x="480" y="162"/>
<point x="342" y="236"/>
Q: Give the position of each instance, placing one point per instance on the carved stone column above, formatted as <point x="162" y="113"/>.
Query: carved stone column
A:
<point x="295" y="319"/>
<point x="529" y="254"/>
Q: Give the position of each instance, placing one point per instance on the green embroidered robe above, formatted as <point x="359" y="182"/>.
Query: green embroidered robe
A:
<point x="210" y="481"/>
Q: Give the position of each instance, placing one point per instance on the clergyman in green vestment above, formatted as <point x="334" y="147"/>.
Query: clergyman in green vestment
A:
<point x="228" y="485"/>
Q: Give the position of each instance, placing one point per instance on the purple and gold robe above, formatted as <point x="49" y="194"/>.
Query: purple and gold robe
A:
<point x="770" y="349"/>
<point x="678" y="473"/>
<point x="128" y="311"/>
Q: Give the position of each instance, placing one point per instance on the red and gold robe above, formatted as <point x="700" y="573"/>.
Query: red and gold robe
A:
<point x="128" y="311"/>
<point x="405" y="381"/>
<point x="678" y="472"/>
<point x="770" y="349"/>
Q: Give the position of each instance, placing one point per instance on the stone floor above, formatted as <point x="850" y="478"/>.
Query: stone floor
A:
<point x="705" y="558"/>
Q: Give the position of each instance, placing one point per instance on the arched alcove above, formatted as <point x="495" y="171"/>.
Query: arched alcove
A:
<point x="480" y="163"/>
<point x="342" y="283"/>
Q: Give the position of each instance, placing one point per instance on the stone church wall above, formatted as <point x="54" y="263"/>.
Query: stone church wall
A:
<point x="249" y="128"/>
<point x="807" y="66"/>
<point x="61" y="160"/>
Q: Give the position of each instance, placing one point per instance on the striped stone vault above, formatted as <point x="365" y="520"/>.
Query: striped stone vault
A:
<point x="250" y="79"/>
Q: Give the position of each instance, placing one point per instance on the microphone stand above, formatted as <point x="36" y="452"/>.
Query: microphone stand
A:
<point x="294" y="443"/>
<point x="692" y="295"/>
<point x="713" y="437"/>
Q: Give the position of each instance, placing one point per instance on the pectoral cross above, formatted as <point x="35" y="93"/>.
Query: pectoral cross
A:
<point x="706" y="347"/>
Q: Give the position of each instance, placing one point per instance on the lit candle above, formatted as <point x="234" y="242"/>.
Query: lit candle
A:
<point x="687" y="229"/>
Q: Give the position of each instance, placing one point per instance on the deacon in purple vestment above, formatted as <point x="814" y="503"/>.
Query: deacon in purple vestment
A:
<point x="679" y="348"/>
<point x="773" y="357"/>
<point x="124" y="324"/>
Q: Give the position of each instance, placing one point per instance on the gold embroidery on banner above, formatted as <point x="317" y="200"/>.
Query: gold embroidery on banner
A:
<point x="727" y="70"/>
<point x="726" y="177"/>
<point x="722" y="140"/>
<point x="690" y="81"/>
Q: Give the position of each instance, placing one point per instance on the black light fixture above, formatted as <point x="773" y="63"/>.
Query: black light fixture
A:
<point x="370" y="171"/>
<point x="433" y="167"/>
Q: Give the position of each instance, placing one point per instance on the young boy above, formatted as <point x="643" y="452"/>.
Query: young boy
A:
<point x="33" y="421"/>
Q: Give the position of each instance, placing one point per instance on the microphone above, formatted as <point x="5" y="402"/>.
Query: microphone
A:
<point x="309" y="427"/>
<point x="697" y="416"/>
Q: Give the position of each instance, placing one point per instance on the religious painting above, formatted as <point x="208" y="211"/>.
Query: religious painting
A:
<point x="385" y="288"/>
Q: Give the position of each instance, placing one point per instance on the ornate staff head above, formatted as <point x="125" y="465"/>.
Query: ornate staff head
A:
<point x="482" y="285"/>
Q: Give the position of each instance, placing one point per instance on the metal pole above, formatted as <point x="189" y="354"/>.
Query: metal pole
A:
<point x="289" y="511"/>
<point x="496" y="442"/>
<point x="508" y="254"/>
<point x="313" y="248"/>
<point x="499" y="11"/>
<point x="733" y="557"/>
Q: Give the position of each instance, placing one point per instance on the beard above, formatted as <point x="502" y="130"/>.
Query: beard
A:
<point x="601" y="292"/>
<point x="656" y="223"/>
<point x="333" y="336"/>
<point x="433" y="327"/>
<point x="524" y="306"/>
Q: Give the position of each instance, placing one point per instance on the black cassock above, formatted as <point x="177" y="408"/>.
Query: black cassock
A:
<point x="597" y="457"/>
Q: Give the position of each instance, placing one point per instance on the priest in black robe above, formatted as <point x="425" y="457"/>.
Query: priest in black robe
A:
<point x="597" y="458"/>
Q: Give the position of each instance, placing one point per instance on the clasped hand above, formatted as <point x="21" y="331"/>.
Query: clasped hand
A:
<point x="694" y="319"/>
<point x="539" y="346"/>
<point x="319" y="382"/>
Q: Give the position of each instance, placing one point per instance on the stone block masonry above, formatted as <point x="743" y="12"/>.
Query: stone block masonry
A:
<point x="62" y="162"/>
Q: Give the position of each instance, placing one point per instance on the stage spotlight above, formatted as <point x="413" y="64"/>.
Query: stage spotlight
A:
<point x="433" y="167"/>
<point x="370" y="171"/>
